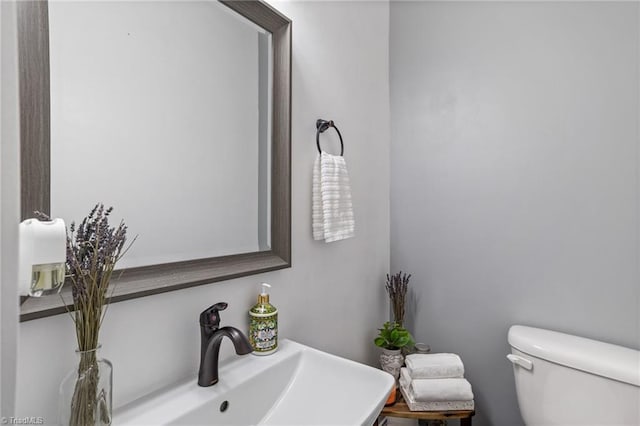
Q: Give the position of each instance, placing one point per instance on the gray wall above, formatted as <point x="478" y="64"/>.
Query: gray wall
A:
<point x="514" y="186"/>
<point x="332" y="298"/>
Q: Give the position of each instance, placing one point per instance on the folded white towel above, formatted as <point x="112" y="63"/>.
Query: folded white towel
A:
<point x="434" y="366"/>
<point x="433" y="405"/>
<point x="332" y="210"/>
<point x="416" y="404"/>
<point x="441" y="390"/>
<point x="405" y="378"/>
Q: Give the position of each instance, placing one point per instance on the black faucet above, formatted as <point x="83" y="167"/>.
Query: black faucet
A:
<point x="210" y="340"/>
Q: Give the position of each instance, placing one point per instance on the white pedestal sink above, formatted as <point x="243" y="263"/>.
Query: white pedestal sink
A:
<point x="296" y="386"/>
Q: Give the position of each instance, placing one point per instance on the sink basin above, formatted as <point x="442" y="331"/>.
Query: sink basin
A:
<point x="295" y="386"/>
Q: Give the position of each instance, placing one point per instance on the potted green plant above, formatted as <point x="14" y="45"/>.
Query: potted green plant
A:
<point x="392" y="338"/>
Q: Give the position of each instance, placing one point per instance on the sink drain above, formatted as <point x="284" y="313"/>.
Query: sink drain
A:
<point x="224" y="406"/>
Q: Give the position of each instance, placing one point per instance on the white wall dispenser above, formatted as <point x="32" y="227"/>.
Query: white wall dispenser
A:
<point x="42" y="256"/>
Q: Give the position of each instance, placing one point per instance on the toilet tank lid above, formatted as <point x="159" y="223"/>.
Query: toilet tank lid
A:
<point x="603" y="359"/>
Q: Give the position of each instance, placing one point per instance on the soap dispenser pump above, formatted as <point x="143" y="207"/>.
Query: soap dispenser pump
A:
<point x="263" y="324"/>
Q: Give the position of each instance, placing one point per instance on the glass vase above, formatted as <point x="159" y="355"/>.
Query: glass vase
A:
<point x="85" y="393"/>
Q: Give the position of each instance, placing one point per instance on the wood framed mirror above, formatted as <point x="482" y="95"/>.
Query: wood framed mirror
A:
<point x="36" y="123"/>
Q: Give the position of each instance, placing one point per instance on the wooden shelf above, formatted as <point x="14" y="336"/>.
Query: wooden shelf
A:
<point x="401" y="409"/>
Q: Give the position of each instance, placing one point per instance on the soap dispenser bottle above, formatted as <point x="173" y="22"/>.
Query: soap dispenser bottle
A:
<point x="263" y="324"/>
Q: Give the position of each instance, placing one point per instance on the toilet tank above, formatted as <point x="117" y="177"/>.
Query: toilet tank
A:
<point x="568" y="380"/>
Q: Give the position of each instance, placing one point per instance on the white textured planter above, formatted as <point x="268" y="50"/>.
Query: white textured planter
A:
<point x="391" y="361"/>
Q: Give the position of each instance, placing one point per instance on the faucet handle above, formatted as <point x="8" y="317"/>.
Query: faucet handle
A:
<point x="210" y="316"/>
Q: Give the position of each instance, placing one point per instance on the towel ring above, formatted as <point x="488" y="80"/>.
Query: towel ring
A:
<point x="323" y="125"/>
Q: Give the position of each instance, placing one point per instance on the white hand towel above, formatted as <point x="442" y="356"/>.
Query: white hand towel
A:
<point x="332" y="210"/>
<point x="434" y="366"/>
<point x="432" y="390"/>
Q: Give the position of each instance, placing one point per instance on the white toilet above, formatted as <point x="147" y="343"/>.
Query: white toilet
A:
<point x="568" y="380"/>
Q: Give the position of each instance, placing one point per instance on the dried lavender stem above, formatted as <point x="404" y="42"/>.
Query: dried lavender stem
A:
<point x="397" y="286"/>
<point x="93" y="249"/>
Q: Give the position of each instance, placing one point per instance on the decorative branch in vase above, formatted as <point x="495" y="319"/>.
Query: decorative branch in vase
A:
<point x="93" y="249"/>
<point x="397" y="286"/>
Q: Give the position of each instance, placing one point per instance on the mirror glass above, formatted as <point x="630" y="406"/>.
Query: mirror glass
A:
<point x="162" y="110"/>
